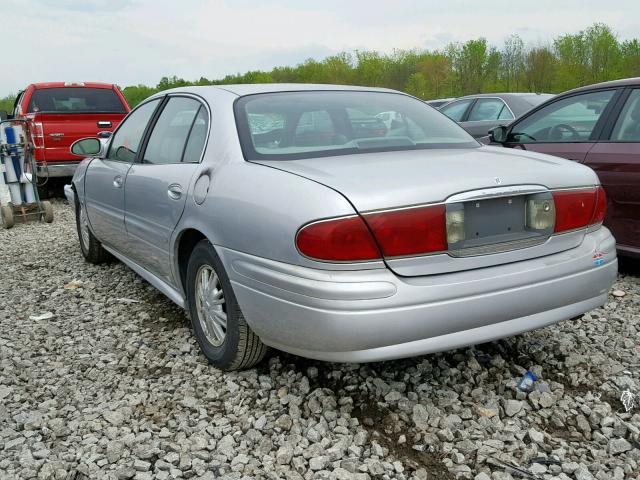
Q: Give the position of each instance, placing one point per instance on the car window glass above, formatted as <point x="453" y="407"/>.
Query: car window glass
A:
<point x="489" y="109"/>
<point x="295" y="125"/>
<point x="627" y="128"/>
<point x="455" y="110"/>
<point x="169" y="136"/>
<point x="126" y="140"/>
<point x="76" y="100"/>
<point x="197" y="137"/>
<point x="571" y="119"/>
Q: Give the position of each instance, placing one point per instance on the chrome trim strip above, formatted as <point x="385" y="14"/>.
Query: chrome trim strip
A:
<point x="496" y="192"/>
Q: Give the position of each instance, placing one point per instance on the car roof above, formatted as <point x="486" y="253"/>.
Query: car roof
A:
<point x="623" y="82"/>
<point x="72" y="85"/>
<point x="506" y="95"/>
<point x="253" y="88"/>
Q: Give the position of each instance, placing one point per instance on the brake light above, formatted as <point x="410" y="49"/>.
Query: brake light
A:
<point x="38" y="135"/>
<point x="579" y="208"/>
<point x="341" y="239"/>
<point x="601" y="206"/>
<point x="412" y="231"/>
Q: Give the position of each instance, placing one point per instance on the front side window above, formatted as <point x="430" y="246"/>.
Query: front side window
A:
<point x="571" y="119"/>
<point x="294" y="125"/>
<point x="169" y="136"/>
<point x="76" y="100"/>
<point x="455" y="110"/>
<point x="627" y="128"/>
<point x="126" y="141"/>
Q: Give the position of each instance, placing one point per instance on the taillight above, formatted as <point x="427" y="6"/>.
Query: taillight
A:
<point x="579" y="208"/>
<point x="38" y="135"/>
<point x="601" y="206"/>
<point x="341" y="239"/>
<point x="412" y="231"/>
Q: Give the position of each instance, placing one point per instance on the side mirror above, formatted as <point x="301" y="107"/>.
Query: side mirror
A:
<point x="87" y="147"/>
<point x="498" y="134"/>
<point x="3" y="115"/>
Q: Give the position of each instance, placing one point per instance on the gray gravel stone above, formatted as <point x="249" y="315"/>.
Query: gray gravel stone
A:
<point x="110" y="384"/>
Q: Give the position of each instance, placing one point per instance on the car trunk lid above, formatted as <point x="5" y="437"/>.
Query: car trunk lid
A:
<point x="490" y="184"/>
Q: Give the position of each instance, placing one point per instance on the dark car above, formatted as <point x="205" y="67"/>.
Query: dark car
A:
<point x="598" y="125"/>
<point x="478" y="114"/>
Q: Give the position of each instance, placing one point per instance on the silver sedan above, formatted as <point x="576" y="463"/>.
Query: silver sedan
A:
<point x="290" y="216"/>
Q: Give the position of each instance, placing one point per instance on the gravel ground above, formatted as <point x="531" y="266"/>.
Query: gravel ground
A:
<point x="95" y="385"/>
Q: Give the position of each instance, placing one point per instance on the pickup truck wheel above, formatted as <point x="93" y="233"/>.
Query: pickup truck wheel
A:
<point x="91" y="247"/>
<point x="221" y="330"/>
<point x="7" y="216"/>
<point x="47" y="214"/>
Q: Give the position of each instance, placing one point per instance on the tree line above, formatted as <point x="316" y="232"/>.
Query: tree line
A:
<point x="571" y="60"/>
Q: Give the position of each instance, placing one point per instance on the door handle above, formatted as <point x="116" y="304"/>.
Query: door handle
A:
<point x="117" y="181"/>
<point x="174" y="191"/>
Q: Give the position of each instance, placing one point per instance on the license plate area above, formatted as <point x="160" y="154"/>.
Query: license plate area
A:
<point x="496" y="225"/>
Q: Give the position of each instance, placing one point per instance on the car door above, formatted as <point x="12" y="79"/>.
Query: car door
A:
<point x="158" y="184"/>
<point x="105" y="178"/>
<point x="486" y="113"/>
<point x="616" y="160"/>
<point x="567" y="127"/>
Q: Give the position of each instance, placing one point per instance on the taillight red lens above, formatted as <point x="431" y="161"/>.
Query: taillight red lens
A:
<point x="601" y="206"/>
<point x="579" y="208"/>
<point x="341" y="239"/>
<point x="412" y="231"/>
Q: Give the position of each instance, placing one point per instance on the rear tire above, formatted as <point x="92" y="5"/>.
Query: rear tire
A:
<point x="7" y="216"/>
<point x="220" y="328"/>
<point x="91" y="248"/>
<point x="47" y="215"/>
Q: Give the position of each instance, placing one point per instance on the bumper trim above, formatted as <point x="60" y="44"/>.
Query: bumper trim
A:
<point x="453" y="340"/>
<point x="56" y="169"/>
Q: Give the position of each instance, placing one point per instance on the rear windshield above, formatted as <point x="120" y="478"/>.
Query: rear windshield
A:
<point x="76" y="100"/>
<point x="296" y="125"/>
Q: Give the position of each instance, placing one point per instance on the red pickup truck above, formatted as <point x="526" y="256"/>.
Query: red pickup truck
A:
<point x="63" y="112"/>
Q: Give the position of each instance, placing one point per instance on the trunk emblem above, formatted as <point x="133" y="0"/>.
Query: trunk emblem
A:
<point x="498" y="180"/>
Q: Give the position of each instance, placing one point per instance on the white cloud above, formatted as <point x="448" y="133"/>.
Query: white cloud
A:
<point x="139" y="41"/>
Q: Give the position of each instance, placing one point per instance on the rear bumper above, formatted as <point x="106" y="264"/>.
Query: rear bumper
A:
<point x="57" y="169"/>
<point x="372" y="315"/>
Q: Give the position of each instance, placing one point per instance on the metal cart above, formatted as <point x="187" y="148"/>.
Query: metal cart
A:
<point x="24" y="211"/>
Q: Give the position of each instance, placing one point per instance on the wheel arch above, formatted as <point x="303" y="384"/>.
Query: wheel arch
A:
<point x="185" y="243"/>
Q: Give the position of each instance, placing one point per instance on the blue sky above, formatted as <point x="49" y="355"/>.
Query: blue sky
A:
<point x="139" y="41"/>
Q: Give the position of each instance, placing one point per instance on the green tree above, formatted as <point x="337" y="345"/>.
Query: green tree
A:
<point x="513" y="54"/>
<point x="540" y="67"/>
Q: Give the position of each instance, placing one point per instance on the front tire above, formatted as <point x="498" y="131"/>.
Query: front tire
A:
<point x="91" y="248"/>
<point x="220" y="328"/>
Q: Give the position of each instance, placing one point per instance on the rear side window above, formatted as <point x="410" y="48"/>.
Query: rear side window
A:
<point x="75" y="100"/>
<point x="489" y="109"/>
<point x="197" y="138"/>
<point x="169" y="137"/>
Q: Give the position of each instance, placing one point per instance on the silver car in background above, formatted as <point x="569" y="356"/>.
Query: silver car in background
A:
<point x="286" y="216"/>
<point x="478" y="114"/>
